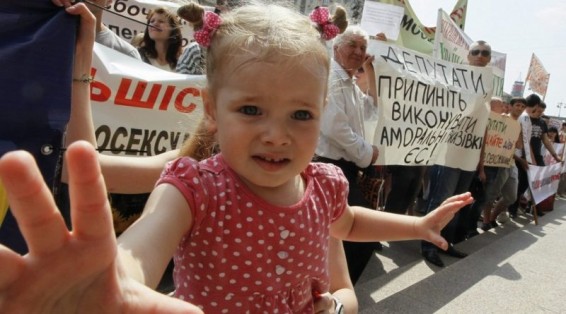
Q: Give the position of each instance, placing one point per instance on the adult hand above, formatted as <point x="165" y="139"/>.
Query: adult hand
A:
<point x="381" y="36"/>
<point x="368" y="63"/>
<point x="374" y="155"/>
<point x="85" y="37"/>
<point x="429" y="226"/>
<point x="68" y="271"/>
<point x="524" y="164"/>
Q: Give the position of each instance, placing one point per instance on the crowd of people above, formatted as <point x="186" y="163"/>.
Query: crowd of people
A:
<point x="254" y="207"/>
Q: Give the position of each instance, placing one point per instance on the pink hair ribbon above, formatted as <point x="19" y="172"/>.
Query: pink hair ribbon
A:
<point x="321" y="16"/>
<point x="211" y="22"/>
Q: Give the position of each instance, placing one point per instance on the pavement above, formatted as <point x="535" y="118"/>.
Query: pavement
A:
<point x="519" y="267"/>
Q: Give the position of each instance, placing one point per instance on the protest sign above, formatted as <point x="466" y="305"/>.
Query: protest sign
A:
<point x="543" y="181"/>
<point x="430" y="111"/>
<point x="502" y="133"/>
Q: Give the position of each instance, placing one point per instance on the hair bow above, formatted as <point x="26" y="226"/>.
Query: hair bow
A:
<point x="211" y="22"/>
<point x="321" y="16"/>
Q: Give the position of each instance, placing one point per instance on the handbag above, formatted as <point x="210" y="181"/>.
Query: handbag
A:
<point x="371" y="181"/>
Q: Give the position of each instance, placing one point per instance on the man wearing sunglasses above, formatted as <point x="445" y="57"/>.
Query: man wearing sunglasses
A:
<point x="479" y="54"/>
<point x="446" y="181"/>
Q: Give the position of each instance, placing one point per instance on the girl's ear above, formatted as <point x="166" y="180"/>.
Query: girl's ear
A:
<point x="209" y="110"/>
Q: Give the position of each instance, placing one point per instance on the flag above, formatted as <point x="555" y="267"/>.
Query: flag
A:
<point x="537" y="77"/>
<point x="36" y="58"/>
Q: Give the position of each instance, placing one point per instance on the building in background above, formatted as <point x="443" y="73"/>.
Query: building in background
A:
<point x="518" y="89"/>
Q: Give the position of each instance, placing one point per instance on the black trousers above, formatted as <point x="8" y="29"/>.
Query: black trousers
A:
<point x="358" y="254"/>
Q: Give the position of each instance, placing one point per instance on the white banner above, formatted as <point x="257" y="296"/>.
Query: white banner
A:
<point x="430" y="111"/>
<point x="543" y="181"/>
<point x="139" y="109"/>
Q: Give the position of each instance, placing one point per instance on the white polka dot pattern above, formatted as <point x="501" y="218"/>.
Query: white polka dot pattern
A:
<point x="247" y="254"/>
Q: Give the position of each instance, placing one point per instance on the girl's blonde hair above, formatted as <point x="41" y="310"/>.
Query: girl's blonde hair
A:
<point x="266" y="33"/>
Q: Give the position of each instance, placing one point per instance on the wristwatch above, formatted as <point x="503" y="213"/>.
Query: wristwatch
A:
<point x="338" y="306"/>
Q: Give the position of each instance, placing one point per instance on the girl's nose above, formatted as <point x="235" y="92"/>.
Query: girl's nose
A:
<point x="276" y="134"/>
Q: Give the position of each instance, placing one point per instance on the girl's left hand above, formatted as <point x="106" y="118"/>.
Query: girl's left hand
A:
<point x="436" y="220"/>
<point x="324" y="303"/>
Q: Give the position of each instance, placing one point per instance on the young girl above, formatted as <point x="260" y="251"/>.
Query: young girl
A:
<point x="162" y="39"/>
<point x="249" y="228"/>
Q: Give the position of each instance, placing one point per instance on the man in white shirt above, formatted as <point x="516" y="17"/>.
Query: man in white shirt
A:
<point x="342" y="139"/>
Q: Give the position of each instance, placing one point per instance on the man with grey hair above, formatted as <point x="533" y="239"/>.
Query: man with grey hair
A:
<point x="342" y="140"/>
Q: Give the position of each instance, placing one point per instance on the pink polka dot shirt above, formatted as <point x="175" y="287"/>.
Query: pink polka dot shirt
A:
<point x="244" y="255"/>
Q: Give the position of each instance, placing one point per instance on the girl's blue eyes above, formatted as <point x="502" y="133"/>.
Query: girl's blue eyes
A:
<point x="302" y="115"/>
<point x="254" y="111"/>
<point x="250" y="110"/>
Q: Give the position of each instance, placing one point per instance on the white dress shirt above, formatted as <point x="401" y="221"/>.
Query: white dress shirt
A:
<point x="342" y="126"/>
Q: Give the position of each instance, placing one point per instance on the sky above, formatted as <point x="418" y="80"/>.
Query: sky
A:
<point x="518" y="28"/>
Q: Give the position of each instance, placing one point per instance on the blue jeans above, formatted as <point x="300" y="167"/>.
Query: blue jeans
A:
<point x="446" y="182"/>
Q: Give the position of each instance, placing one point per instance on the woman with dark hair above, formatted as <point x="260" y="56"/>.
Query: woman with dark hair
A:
<point x="162" y="40"/>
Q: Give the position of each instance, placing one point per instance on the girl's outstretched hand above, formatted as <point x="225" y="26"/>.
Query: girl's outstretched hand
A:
<point x="66" y="271"/>
<point x="433" y="222"/>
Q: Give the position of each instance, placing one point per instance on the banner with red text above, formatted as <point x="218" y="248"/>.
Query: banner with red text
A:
<point x="543" y="181"/>
<point x="502" y="134"/>
<point x="431" y="112"/>
<point x="139" y="109"/>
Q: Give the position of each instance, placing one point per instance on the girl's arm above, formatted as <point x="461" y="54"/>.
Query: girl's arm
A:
<point x="341" y="287"/>
<point x="148" y="245"/>
<point x="366" y="225"/>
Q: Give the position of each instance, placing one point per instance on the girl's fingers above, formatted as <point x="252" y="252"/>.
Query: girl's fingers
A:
<point x="11" y="266"/>
<point x="90" y="208"/>
<point x="466" y="197"/>
<point x="32" y="203"/>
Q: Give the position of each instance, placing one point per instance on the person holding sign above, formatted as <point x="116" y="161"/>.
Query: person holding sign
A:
<point x="446" y="181"/>
<point x="342" y="140"/>
<point x="498" y="154"/>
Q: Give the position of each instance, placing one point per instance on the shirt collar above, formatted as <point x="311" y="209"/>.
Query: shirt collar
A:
<point x="339" y="71"/>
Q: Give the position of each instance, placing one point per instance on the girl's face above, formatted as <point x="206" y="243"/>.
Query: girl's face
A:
<point x="161" y="30"/>
<point x="267" y="121"/>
